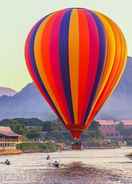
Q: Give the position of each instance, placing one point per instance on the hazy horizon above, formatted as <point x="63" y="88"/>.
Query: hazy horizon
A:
<point x="28" y="83"/>
<point x="18" y="17"/>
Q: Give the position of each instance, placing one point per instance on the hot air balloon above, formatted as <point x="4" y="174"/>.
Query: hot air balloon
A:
<point x="76" y="58"/>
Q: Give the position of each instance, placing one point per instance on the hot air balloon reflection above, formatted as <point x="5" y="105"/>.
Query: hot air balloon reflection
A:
<point x="76" y="58"/>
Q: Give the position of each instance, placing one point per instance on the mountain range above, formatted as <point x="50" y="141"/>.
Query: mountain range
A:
<point x="119" y="105"/>
<point x="7" y="91"/>
<point x="28" y="102"/>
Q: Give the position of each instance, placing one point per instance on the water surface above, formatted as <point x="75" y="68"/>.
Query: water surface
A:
<point x="94" y="166"/>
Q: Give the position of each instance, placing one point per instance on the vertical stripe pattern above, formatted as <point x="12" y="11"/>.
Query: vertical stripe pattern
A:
<point x="76" y="58"/>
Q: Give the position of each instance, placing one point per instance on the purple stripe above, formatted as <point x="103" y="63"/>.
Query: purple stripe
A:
<point x="63" y="42"/>
<point x="102" y="48"/>
<point x="33" y="64"/>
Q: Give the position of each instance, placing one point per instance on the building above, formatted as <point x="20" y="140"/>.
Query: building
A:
<point x="127" y="124"/>
<point x="9" y="140"/>
<point x="108" y="129"/>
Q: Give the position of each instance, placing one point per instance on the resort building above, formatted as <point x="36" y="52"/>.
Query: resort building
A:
<point x="108" y="129"/>
<point x="9" y="140"/>
<point x="127" y="124"/>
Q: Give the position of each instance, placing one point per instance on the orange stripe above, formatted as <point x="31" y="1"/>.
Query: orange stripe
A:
<point x="109" y="59"/>
<point x="110" y="55"/>
<point x="42" y="60"/>
<point x="74" y="60"/>
<point x="116" y="73"/>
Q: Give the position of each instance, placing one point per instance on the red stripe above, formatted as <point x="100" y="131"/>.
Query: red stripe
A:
<point x="50" y="54"/>
<point x="83" y="64"/>
<point x="55" y="62"/>
<point x="93" y="58"/>
<point x="29" y="66"/>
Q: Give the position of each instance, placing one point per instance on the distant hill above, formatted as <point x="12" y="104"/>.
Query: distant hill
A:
<point x="48" y="130"/>
<point x="28" y="103"/>
<point x="7" y="91"/>
<point x="119" y="105"/>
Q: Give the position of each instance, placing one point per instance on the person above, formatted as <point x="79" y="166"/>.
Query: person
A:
<point x="56" y="164"/>
<point x="7" y="162"/>
<point x="48" y="157"/>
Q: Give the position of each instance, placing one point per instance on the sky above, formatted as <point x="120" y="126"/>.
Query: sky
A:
<point x="18" y="16"/>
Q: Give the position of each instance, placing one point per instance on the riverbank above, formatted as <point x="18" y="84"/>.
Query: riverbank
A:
<point x="38" y="147"/>
<point x="44" y="148"/>
<point x="30" y="148"/>
<point x="10" y="152"/>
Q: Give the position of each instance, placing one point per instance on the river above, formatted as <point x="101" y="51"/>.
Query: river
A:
<point x="93" y="166"/>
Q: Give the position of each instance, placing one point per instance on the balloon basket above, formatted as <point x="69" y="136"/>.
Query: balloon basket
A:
<point x="76" y="145"/>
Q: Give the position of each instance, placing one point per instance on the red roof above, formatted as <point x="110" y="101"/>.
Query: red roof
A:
<point x="127" y="122"/>
<point x="111" y="122"/>
<point x="8" y="132"/>
<point x="106" y="122"/>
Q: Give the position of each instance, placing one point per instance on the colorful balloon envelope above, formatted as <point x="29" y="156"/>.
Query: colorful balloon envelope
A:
<point x="76" y="58"/>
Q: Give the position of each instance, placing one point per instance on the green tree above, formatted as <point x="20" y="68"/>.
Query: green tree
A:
<point x="120" y="127"/>
<point x="33" y="134"/>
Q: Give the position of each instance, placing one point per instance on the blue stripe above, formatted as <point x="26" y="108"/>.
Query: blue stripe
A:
<point x="102" y="50"/>
<point x="63" y="46"/>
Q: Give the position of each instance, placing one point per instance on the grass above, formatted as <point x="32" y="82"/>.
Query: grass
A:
<point x="37" y="147"/>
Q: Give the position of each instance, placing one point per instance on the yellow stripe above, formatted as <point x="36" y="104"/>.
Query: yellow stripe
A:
<point x="39" y="63"/>
<point x="123" y="55"/>
<point x="122" y="59"/>
<point x="74" y="60"/>
<point x="110" y="54"/>
<point x="119" y="61"/>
